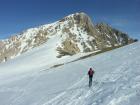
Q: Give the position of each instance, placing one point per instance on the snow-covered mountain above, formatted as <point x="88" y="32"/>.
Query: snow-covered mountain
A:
<point x="74" y="33"/>
<point x="37" y="78"/>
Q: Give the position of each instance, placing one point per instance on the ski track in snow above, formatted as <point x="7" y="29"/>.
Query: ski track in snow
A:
<point x="116" y="81"/>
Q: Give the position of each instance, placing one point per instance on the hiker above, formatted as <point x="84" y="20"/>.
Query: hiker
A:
<point x="90" y="73"/>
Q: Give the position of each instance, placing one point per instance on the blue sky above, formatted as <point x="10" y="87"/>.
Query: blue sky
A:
<point x="19" y="15"/>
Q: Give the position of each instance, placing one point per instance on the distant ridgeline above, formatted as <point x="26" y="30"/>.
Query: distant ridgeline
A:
<point x="76" y="33"/>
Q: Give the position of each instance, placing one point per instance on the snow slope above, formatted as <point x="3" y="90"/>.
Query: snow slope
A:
<point x="25" y="80"/>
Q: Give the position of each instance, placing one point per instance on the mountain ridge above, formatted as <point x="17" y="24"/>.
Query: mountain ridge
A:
<point x="76" y="33"/>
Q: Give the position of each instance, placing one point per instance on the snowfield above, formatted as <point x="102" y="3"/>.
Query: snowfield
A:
<point x="27" y="79"/>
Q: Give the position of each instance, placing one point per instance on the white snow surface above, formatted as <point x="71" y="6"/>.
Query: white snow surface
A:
<point x="26" y="80"/>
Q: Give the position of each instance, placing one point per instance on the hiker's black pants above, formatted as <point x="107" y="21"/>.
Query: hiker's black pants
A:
<point x="90" y="81"/>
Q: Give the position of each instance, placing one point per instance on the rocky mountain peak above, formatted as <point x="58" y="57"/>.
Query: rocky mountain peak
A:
<point x="77" y="17"/>
<point x="75" y="33"/>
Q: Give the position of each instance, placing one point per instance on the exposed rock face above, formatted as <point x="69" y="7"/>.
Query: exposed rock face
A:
<point x="83" y="21"/>
<point x="69" y="48"/>
<point x="111" y="36"/>
<point x="76" y="34"/>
